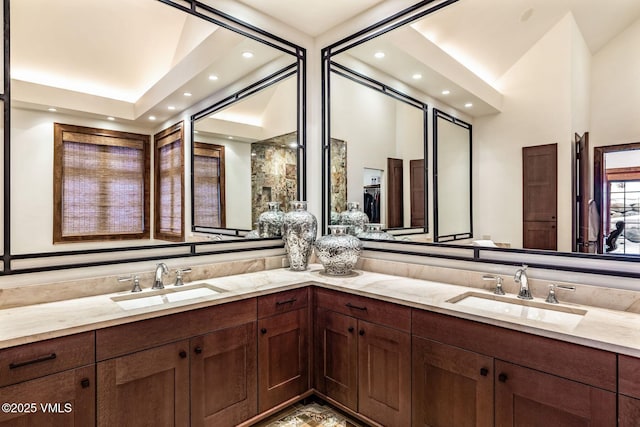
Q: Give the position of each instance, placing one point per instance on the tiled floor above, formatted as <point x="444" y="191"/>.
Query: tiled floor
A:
<point x="311" y="415"/>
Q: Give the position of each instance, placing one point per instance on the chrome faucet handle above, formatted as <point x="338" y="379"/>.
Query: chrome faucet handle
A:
<point x="498" y="290"/>
<point x="179" y="273"/>
<point x="134" y="278"/>
<point x="551" y="297"/>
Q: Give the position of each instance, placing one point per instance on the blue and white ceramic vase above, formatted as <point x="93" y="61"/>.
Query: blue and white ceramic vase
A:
<point x="270" y="222"/>
<point x="299" y="233"/>
<point x="339" y="251"/>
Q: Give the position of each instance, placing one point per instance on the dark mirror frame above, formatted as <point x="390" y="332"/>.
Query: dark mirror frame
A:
<point x="116" y="255"/>
<point x="611" y="265"/>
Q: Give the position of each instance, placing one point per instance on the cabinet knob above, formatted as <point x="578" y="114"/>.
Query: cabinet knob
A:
<point x="503" y="378"/>
<point x="351" y="329"/>
<point x="182" y="354"/>
<point x="85" y="383"/>
<point x="484" y="372"/>
<point x="361" y="332"/>
<point x="263" y="330"/>
<point x="198" y="350"/>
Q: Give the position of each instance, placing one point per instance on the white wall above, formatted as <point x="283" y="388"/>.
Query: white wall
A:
<point x="537" y="110"/>
<point x="409" y="146"/>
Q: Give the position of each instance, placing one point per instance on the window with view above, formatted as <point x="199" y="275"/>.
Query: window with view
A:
<point x="101" y="184"/>
<point x="169" y="184"/>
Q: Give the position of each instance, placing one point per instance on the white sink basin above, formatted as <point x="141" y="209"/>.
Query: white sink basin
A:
<point x="522" y="309"/>
<point x="165" y="296"/>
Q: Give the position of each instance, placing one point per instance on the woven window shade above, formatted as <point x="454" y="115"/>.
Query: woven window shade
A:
<point x="170" y="186"/>
<point x="102" y="185"/>
<point x="207" y="189"/>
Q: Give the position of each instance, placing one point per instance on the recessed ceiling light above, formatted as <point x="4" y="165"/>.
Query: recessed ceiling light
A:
<point x="53" y="110"/>
<point x="293" y="145"/>
<point x="379" y="55"/>
<point x="468" y="105"/>
<point x="417" y="76"/>
<point x="213" y="77"/>
<point x="187" y="94"/>
<point x="111" y="118"/>
<point x="195" y="131"/>
<point x="171" y="107"/>
<point x="247" y="54"/>
<point x="152" y="118"/>
<point x="230" y="137"/>
<point x="446" y="92"/>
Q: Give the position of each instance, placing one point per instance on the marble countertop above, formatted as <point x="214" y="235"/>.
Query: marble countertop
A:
<point x="611" y="330"/>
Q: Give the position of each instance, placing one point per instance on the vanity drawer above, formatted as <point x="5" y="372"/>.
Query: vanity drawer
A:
<point x="573" y="361"/>
<point x="283" y="302"/>
<point x="629" y="375"/>
<point x="380" y="312"/>
<point x="131" y="337"/>
<point x="42" y="358"/>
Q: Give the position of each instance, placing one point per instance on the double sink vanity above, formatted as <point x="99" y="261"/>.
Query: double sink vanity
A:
<point x="389" y="350"/>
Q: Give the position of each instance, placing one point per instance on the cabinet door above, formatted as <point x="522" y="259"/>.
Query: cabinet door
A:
<point x="384" y="374"/>
<point x="224" y="373"/>
<point x="283" y="358"/>
<point x="525" y="397"/>
<point x="148" y="388"/>
<point x="451" y="386"/>
<point x="628" y="411"/>
<point x="66" y="399"/>
<point x="337" y="357"/>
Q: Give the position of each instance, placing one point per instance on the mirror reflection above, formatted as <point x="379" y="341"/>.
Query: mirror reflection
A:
<point x="114" y="69"/>
<point x="246" y="156"/>
<point x="545" y="71"/>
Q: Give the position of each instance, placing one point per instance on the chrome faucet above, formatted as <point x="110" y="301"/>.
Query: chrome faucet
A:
<point x="161" y="270"/>
<point x="523" y="280"/>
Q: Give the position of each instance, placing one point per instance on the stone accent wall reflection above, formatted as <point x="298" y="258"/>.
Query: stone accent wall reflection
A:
<point x="338" y="177"/>
<point x="274" y="173"/>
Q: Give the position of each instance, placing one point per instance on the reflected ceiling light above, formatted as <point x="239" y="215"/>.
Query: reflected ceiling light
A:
<point x="213" y="77"/>
<point x="152" y="118"/>
<point x="53" y="110"/>
<point x="247" y="54"/>
<point x="195" y="131"/>
<point x="111" y="118"/>
<point x="417" y="76"/>
<point x="187" y="94"/>
<point x="293" y="145"/>
<point x="468" y="105"/>
<point x="229" y="137"/>
<point x="446" y="92"/>
<point x="379" y="55"/>
<point x="171" y="107"/>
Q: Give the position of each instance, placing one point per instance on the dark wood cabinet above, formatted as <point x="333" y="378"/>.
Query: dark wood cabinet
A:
<point x="364" y="365"/>
<point x="629" y="391"/>
<point x="450" y="386"/>
<point x="525" y="397"/>
<point x="224" y="388"/>
<point x="65" y="399"/>
<point x="283" y="348"/>
<point x="147" y="388"/>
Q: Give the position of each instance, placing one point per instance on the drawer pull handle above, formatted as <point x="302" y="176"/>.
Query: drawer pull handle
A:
<point x="289" y="301"/>
<point x="361" y="332"/>
<point x="183" y="354"/>
<point x="351" y="329"/>
<point x="484" y="372"/>
<point x="198" y="350"/>
<point x="503" y="378"/>
<point x="263" y="330"/>
<point x="85" y="383"/>
<point x="16" y="365"/>
<point x="356" y="307"/>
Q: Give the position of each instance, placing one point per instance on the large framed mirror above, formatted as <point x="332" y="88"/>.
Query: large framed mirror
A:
<point x="544" y="72"/>
<point x="119" y="81"/>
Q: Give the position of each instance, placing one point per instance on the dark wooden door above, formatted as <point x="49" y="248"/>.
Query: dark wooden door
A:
<point x="337" y="357"/>
<point x="539" y="196"/>
<point x="224" y="388"/>
<point x="148" y="388"/>
<point x="68" y="399"/>
<point x="395" y="211"/>
<point x="452" y="387"/>
<point x="416" y="184"/>
<point x="283" y="358"/>
<point x="384" y="374"/>
<point x="525" y="397"/>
